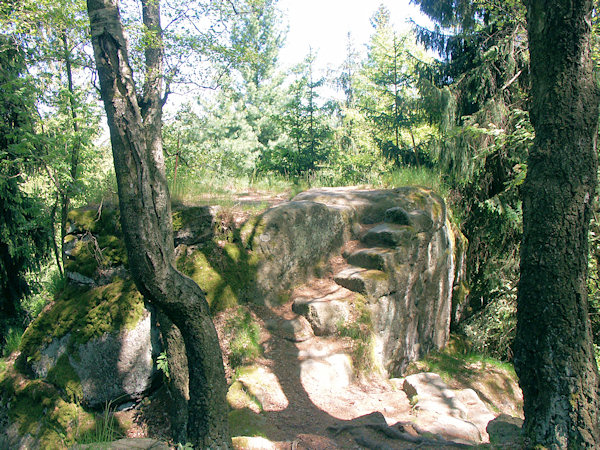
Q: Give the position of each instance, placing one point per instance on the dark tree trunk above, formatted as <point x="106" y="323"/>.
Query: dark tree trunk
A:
<point x="553" y="348"/>
<point x="135" y="129"/>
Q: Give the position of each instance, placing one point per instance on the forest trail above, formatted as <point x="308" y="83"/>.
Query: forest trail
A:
<point x="311" y="398"/>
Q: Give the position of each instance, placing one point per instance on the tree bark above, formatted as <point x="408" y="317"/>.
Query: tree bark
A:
<point x="554" y="357"/>
<point x="135" y="130"/>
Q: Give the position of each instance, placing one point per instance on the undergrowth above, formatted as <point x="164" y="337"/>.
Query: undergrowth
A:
<point x="456" y="361"/>
<point x="244" y="344"/>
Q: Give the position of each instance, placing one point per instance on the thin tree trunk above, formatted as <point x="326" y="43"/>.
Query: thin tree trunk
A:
<point x="68" y="190"/>
<point x="57" y="252"/>
<point x="135" y="129"/>
<point x="553" y="348"/>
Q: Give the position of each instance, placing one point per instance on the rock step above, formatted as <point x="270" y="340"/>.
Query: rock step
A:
<point x="377" y="258"/>
<point x="389" y="235"/>
<point x="419" y="220"/>
<point x="325" y="312"/>
<point x="458" y="413"/>
<point x="369" y="282"/>
<point x="296" y="330"/>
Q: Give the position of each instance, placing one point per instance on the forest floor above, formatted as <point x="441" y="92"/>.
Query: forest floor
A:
<point x="305" y="403"/>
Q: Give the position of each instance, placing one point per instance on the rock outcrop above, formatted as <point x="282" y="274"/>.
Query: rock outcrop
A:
<point x="388" y="257"/>
<point x="399" y="253"/>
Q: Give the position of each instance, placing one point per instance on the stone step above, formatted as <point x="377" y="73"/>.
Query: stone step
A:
<point x="325" y="312"/>
<point x="419" y="220"/>
<point x="369" y="282"/>
<point x="389" y="235"/>
<point x="377" y="258"/>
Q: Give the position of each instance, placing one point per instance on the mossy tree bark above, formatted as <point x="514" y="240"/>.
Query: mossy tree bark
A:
<point x="553" y="349"/>
<point x="135" y="129"/>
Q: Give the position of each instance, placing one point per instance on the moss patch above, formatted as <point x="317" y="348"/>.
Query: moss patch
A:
<point x="225" y="272"/>
<point x="245" y="422"/>
<point x="38" y="410"/>
<point x="63" y="376"/>
<point x="86" y="314"/>
<point x="102" y="247"/>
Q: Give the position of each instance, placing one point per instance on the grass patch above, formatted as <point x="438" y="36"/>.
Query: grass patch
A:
<point x="13" y="340"/>
<point x="456" y="362"/>
<point x="415" y="176"/>
<point x="104" y="429"/>
<point x="245" y="339"/>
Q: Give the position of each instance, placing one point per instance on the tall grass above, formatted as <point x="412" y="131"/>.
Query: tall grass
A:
<point x="13" y="340"/>
<point x="106" y="429"/>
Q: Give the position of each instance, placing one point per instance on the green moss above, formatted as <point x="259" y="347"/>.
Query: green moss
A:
<point x="86" y="314"/>
<point x="38" y="409"/>
<point x="88" y="219"/>
<point x="375" y="275"/>
<point x="225" y="273"/>
<point x="177" y="221"/>
<point x="63" y="376"/>
<point x="84" y="261"/>
<point x="103" y="248"/>
<point x="245" y="422"/>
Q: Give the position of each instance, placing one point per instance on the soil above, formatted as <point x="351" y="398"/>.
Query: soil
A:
<point x="315" y="415"/>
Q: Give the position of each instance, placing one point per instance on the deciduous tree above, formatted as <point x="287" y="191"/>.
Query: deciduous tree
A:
<point x="135" y="122"/>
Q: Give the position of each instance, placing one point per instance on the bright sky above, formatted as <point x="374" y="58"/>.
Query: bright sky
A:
<point x="324" y="25"/>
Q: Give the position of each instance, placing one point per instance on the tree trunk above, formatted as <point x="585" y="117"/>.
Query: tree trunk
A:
<point x="135" y="130"/>
<point x="554" y="357"/>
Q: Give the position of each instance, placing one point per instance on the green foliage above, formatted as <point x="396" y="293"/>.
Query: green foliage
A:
<point x="387" y="94"/>
<point x="491" y="330"/>
<point x="12" y="340"/>
<point x="24" y="228"/>
<point x="475" y="98"/>
<point x="244" y="334"/>
<point x="304" y="120"/>
<point x="162" y="364"/>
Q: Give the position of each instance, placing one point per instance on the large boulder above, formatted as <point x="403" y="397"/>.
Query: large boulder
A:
<point x="98" y="346"/>
<point x="401" y="254"/>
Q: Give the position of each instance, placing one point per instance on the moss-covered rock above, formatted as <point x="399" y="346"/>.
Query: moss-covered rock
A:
<point x="94" y="245"/>
<point x="38" y="416"/>
<point x="95" y="345"/>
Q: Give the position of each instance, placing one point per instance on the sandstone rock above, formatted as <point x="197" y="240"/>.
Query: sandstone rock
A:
<point x="390" y="235"/>
<point x="373" y="283"/>
<point x="454" y="414"/>
<point x="331" y="372"/>
<point x="324" y="314"/>
<point x="292" y="239"/>
<point x="111" y="369"/>
<point x="253" y="443"/>
<point x="407" y="267"/>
